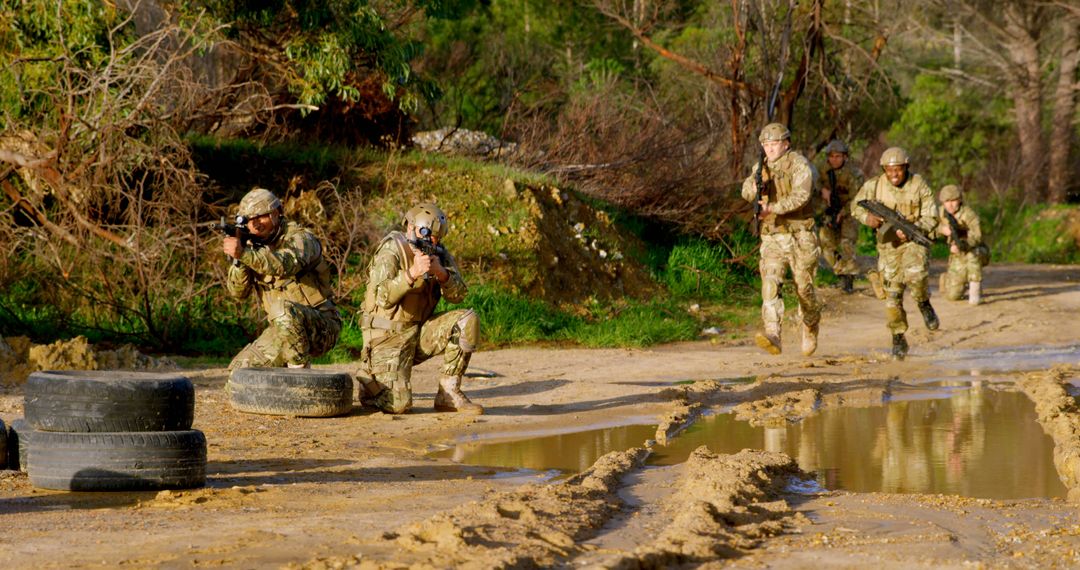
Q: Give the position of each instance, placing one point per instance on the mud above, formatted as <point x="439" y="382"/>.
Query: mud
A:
<point x="362" y="491"/>
<point x="1060" y="419"/>
<point x="19" y="358"/>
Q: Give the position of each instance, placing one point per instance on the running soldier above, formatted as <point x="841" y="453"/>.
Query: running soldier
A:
<point x="282" y="263"/>
<point x="904" y="264"/>
<point x="410" y="272"/>
<point x="839" y="232"/>
<point x="966" y="250"/>
<point x="787" y="236"/>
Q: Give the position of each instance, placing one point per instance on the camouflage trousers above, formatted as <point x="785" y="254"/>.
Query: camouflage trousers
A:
<point x="389" y="356"/>
<point x="838" y="246"/>
<point x="906" y="266"/>
<point x="798" y="250"/>
<point x="963" y="268"/>
<point x="299" y="334"/>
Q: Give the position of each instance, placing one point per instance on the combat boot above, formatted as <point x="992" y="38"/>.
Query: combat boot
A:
<point x="974" y="292"/>
<point x="928" y="315"/>
<point x="847" y="284"/>
<point x="876" y="284"/>
<point x="809" y="339"/>
<point x="769" y="341"/>
<point x="899" y="347"/>
<point x="450" y="398"/>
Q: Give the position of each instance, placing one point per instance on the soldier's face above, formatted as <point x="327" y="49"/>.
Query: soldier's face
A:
<point x="837" y="159"/>
<point x="775" y="149"/>
<point x="265" y="225"/>
<point x="895" y="173"/>
<point x="953" y="206"/>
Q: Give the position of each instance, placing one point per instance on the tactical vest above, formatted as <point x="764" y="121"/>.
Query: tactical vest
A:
<point x="310" y="286"/>
<point x="416" y="306"/>
<point x="905" y="200"/>
<point x="778" y="180"/>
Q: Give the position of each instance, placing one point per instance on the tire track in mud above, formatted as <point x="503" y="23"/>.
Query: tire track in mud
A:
<point x="1059" y="417"/>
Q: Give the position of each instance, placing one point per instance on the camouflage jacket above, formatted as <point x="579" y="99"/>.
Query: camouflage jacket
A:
<point x="391" y="298"/>
<point x="968" y="221"/>
<point x="789" y="189"/>
<point x="849" y="179"/>
<point x="289" y="268"/>
<point x="913" y="199"/>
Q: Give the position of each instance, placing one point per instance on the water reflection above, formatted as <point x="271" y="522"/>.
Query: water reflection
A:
<point x="571" y="452"/>
<point x="977" y="442"/>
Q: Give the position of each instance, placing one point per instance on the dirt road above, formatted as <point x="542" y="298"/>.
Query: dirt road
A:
<point x="361" y="490"/>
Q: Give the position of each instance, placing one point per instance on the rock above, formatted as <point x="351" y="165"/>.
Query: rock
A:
<point x="462" y="141"/>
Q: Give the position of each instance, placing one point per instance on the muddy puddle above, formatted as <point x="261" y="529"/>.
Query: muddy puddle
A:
<point x="982" y="362"/>
<point x="957" y="438"/>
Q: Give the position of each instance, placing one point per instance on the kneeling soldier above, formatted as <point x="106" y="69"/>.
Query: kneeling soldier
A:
<point x="410" y="272"/>
<point x="965" y="261"/>
<point x="283" y="264"/>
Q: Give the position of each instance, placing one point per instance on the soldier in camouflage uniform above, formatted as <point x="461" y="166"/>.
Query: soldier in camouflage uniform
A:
<point x="903" y="263"/>
<point x="399" y="325"/>
<point x="965" y="268"/>
<point x="788" y="238"/>
<point x="282" y="264"/>
<point x="839" y="231"/>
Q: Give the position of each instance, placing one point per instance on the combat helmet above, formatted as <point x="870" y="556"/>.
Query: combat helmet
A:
<point x="836" y="145"/>
<point x="258" y="202"/>
<point x="429" y="216"/>
<point x="774" y="132"/>
<point x="949" y="192"/>
<point x="894" y="156"/>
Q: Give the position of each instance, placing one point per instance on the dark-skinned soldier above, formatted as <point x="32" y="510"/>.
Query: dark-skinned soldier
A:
<point x="283" y="265"/>
<point x="965" y="267"/>
<point x="399" y="323"/>
<point x="788" y="238"/>
<point x="904" y="264"/>
<point x="839" y="232"/>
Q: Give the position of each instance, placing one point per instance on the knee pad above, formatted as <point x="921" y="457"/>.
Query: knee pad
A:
<point x="469" y="331"/>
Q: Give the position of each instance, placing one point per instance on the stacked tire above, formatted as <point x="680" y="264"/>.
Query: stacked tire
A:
<point x="299" y="392"/>
<point x="109" y="431"/>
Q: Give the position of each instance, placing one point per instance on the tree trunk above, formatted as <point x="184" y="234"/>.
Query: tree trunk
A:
<point x="1061" y="132"/>
<point x="1025" y="83"/>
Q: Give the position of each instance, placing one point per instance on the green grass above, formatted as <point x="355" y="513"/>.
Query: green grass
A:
<point x="1028" y="234"/>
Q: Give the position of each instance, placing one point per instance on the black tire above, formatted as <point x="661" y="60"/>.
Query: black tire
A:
<point x="291" y="392"/>
<point x="18" y="444"/>
<point x="126" y="461"/>
<point x="108" y="401"/>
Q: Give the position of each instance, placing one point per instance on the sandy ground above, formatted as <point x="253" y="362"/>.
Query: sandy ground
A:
<point x="361" y="491"/>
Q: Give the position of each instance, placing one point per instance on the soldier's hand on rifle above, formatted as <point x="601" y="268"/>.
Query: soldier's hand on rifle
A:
<point x="826" y="194"/>
<point x="873" y="221"/>
<point x="946" y="231"/>
<point x="900" y="234"/>
<point x="233" y="247"/>
<point x="953" y="248"/>
<point x="764" y="209"/>
<point x="421" y="264"/>
<point x="437" y="269"/>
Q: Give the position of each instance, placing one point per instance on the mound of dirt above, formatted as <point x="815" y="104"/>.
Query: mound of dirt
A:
<point x="522" y="235"/>
<point x="19" y="357"/>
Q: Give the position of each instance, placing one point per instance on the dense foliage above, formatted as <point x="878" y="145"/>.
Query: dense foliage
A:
<point x="126" y="127"/>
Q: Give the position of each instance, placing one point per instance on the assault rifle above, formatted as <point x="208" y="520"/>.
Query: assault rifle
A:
<point x="954" y="227"/>
<point x="760" y="185"/>
<point x="238" y="230"/>
<point x="834" y="207"/>
<point x="913" y="232"/>
<point x="427" y="246"/>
